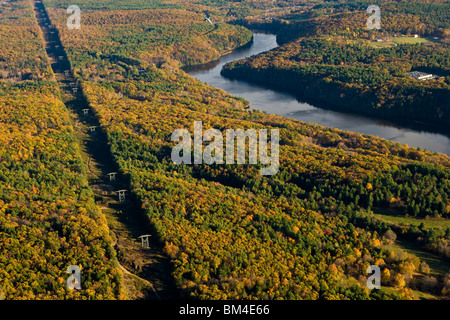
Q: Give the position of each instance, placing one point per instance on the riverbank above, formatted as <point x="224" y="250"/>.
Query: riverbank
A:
<point x="333" y="96"/>
<point x="280" y="101"/>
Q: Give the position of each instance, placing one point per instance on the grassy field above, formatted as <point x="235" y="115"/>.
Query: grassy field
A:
<point x="439" y="224"/>
<point x="396" y="41"/>
<point x="438" y="266"/>
<point x="409" y="40"/>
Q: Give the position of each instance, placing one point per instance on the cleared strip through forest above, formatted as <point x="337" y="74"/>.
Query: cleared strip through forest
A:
<point x="146" y="271"/>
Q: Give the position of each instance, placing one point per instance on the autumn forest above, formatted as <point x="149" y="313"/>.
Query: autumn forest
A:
<point x="80" y="104"/>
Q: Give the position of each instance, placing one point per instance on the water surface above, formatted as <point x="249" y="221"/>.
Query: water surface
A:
<point x="286" y="104"/>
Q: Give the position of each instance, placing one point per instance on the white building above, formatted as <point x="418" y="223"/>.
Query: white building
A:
<point x="420" y="75"/>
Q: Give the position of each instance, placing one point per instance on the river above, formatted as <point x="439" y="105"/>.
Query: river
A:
<point x="285" y="104"/>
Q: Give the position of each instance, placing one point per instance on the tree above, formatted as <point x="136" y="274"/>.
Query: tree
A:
<point x="424" y="267"/>
<point x="385" y="276"/>
<point x="390" y="235"/>
<point x="399" y="280"/>
<point x="428" y="283"/>
<point x="432" y="236"/>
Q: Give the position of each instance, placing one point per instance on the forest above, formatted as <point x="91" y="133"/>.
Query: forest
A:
<point x="48" y="217"/>
<point x="150" y="36"/>
<point x="235" y="234"/>
<point x="22" y="56"/>
<point x="308" y="232"/>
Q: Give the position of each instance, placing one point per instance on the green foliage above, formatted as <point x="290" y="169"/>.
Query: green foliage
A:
<point x="305" y="233"/>
<point x="114" y="4"/>
<point x="48" y="217"/>
<point x="232" y="233"/>
<point x="436" y="13"/>
<point x="22" y="56"/>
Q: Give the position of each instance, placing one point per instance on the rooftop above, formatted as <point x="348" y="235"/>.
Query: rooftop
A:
<point x="420" y="75"/>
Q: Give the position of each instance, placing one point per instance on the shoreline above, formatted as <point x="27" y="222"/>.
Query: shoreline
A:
<point x="395" y="120"/>
<point x="398" y="122"/>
